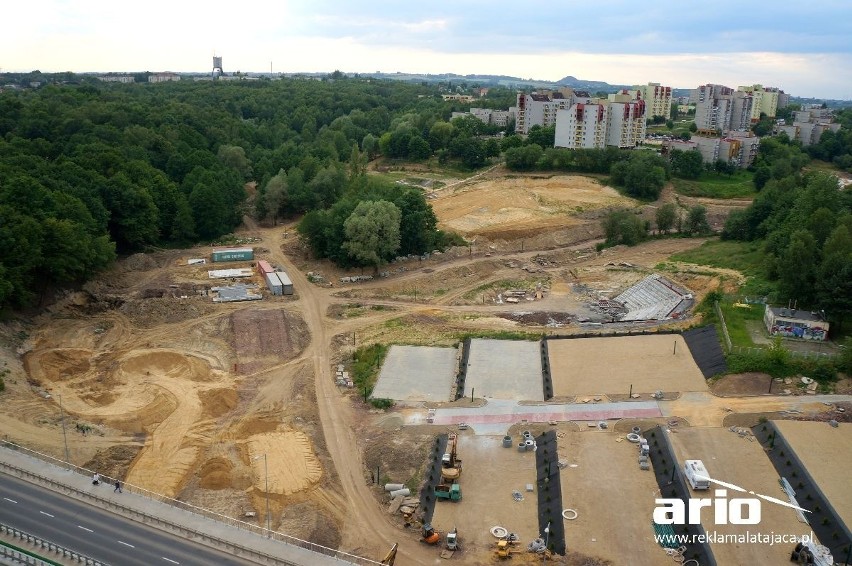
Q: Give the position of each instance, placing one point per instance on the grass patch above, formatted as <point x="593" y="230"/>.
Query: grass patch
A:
<point x="366" y="362"/>
<point x="715" y="185"/>
<point x="737" y="320"/>
<point x="498" y="335"/>
<point x="745" y="257"/>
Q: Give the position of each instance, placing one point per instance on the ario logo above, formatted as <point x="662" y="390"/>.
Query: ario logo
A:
<point x="735" y="511"/>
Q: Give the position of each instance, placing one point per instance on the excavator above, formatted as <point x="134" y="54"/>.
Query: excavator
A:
<point x="430" y="535"/>
<point x="390" y="557"/>
<point x="451" y="465"/>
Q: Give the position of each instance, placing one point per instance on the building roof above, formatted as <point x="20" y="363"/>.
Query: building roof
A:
<point x="797" y="314"/>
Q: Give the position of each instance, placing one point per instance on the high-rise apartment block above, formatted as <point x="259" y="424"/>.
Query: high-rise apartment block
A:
<point x="539" y="108"/>
<point x="618" y="121"/>
<point x="721" y="109"/>
<point x="658" y="99"/>
<point x="765" y="100"/>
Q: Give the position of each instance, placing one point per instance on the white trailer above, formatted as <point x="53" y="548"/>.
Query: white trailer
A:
<point x="696" y="474"/>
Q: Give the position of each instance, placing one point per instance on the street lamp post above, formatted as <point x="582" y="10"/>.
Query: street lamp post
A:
<point x="546" y="540"/>
<point x="266" y="481"/>
<point x="64" y="434"/>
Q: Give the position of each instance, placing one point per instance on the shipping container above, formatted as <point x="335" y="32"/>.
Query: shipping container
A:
<point x="263" y="267"/>
<point x="232" y="254"/>
<point x="273" y="283"/>
<point x="286" y="284"/>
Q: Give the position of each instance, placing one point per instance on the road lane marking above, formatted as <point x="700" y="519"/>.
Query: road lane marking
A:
<point x="10" y="500"/>
<point x="170" y="560"/>
<point x="48" y="514"/>
<point x="126" y="544"/>
<point x="84" y="528"/>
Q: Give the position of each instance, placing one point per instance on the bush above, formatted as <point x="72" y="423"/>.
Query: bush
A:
<point x="382" y="403"/>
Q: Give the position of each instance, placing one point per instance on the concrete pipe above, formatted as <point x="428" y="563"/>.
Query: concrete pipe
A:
<point x="393" y="486"/>
<point x="404" y="492"/>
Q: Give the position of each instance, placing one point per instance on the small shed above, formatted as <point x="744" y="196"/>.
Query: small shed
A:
<point x="263" y="267"/>
<point x="793" y="323"/>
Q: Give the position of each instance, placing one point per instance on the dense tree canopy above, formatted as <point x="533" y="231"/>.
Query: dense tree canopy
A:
<point x="89" y="170"/>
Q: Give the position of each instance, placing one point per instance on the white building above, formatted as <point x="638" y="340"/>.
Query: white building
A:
<point x="163" y="77"/>
<point x="582" y="126"/>
<point x="658" y="99"/>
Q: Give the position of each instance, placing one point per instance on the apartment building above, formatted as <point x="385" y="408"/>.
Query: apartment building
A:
<point x="118" y="78"/>
<point x="721" y="109"/>
<point x="582" y="125"/>
<point x="809" y="125"/>
<point x="163" y="77"/>
<point x="627" y="118"/>
<point x="739" y="149"/>
<point x="658" y="99"/>
<point x="765" y="100"/>
<point x="540" y="108"/>
<point x="499" y="118"/>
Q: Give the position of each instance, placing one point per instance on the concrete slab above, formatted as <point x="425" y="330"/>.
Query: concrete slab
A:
<point x="504" y="369"/>
<point x="417" y="374"/>
<point x="498" y="415"/>
<point x="595" y="366"/>
<point x="824" y="451"/>
<point x="734" y="459"/>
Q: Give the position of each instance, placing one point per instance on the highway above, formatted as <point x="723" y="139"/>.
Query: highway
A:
<point x="98" y="534"/>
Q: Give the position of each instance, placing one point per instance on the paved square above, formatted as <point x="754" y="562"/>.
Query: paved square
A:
<point x="595" y="366"/>
<point x="504" y="369"/>
<point x="417" y="373"/>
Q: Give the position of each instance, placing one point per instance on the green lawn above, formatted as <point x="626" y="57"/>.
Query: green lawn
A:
<point x="745" y="257"/>
<point x="714" y="185"/>
<point x="737" y="321"/>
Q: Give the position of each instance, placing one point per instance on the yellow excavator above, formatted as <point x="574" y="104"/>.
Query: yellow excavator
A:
<point x="390" y="556"/>
<point x="451" y="465"/>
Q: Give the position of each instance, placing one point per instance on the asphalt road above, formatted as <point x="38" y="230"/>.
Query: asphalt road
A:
<point x="96" y="533"/>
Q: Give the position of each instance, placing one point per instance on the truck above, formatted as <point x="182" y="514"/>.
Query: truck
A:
<point x="696" y="474"/>
<point x="450" y="492"/>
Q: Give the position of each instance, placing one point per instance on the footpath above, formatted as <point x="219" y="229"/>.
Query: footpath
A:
<point x="244" y="540"/>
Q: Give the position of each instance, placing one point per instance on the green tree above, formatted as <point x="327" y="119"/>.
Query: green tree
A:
<point x="523" y="158"/>
<point x="275" y="196"/>
<point x="623" y="227"/>
<point x="687" y="164"/>
<point x="666" y="216"/>
<point x="797" y="268"/>
<point x="696" y="221"/>
<point x="642" y="175"/>
<point x="234" y="156"/>
<point x="372" y="232"/>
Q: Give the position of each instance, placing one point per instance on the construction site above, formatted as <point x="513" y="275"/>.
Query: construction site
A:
<point x="517" y="428"/>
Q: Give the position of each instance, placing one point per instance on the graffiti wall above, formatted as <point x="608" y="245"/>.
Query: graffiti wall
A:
<point x="790" y="329"/>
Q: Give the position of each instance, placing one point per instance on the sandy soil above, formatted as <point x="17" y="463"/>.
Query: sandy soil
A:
<point x="515" y="206"/>
<point x="611" y="365"/>
<point x="182" y="395"/>
<point x="824" y="451"/>
<point x="734" y="459"/>
<point x="604" y="484"/>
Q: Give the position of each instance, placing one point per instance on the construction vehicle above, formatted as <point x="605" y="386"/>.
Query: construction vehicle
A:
<point x="451" y="492"/>
<point x="389" y="558"/>
<point x="451" y="466"/>
<point x="430" y="535"/>
<point x="505" y="549"/>
<point x="453" y="539"/>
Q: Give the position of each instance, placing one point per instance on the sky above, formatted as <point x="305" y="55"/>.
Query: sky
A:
<point x="804" y="48"/>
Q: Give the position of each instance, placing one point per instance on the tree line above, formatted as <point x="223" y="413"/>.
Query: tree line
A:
<point x="89" y="170"/>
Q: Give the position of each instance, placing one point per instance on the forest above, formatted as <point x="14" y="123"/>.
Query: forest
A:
<point x="90" y="171"/>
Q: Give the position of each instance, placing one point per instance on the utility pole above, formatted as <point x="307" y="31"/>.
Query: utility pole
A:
<point x="64" y="433"/>
<point x="266" y="474"/>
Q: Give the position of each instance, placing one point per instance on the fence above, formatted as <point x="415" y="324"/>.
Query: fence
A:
<point x="192" y="534"/>
<point x="718" y="310"/>
<point x="793" y="353"/>
<point x="22" y="556"/>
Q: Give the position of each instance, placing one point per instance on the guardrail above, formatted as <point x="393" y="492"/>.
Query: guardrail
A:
<point x="163" y="524"/>
<point x="24" y="557"/>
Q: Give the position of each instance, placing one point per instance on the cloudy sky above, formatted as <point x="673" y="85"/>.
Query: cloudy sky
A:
<point x="803" y="47"/>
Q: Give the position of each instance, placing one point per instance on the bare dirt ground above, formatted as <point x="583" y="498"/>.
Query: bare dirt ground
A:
<point x="189" y="398"/>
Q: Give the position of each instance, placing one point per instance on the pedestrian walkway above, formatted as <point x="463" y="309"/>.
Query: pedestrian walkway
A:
<point x="497" y="416"/>
<point x="238" y="538"/>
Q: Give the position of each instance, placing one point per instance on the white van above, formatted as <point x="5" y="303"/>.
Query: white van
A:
<point x="696" y="474"/>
